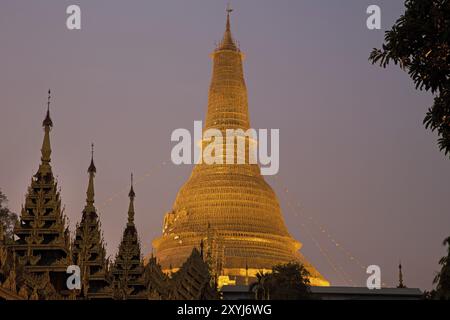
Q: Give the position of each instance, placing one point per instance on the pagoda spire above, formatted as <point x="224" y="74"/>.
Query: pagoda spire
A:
<point x="128" y="268"/>
<point x="88" y="247"/>
<point x="131" y="195"/>
<point x="46" y="149"/>
<point x="227" y="42"/>
<point x="41" y="238"/>
<point x="234" y="197"/>
<point x="90" y="190"/>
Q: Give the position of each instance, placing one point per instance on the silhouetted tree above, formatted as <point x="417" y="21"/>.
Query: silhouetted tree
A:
<point x="290" y="282"/>
<point x="259" y="287"/>
<point x="442" y="279"/>
<point x="419" y="42"/>
<point x="7" y="218"/>
<point x="286" y="282"/>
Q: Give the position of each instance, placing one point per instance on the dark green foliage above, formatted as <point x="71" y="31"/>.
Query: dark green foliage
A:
<point x="442" y="279"/>
<point x="7" y="218"/>
<point x="286" y="282"/>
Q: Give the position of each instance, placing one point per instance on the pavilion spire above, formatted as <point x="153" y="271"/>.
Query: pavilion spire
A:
<point x="128" y="268"/>
<point x="88" y="248"/>
<point x="131" y="195"/>
<point x="42" y="238"/>
<point x="46" y="149"/>
<point x="90" y="190"/>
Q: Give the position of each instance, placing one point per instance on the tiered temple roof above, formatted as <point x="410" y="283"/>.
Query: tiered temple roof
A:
<point x="89" y="250"/>
<point x="42" y="242"/>
<point x="9" y="275"/>
<point x="34" y="265"/>
<point x="128" y="268"/>
<point x="12" y="280"/>
<point x="193" y="280"/>
<point x="157" y="282"/>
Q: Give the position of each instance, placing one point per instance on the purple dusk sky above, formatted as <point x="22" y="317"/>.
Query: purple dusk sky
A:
<point x="354" y="152"/>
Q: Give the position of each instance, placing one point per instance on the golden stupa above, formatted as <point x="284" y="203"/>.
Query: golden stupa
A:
<point x="228" y="210"/>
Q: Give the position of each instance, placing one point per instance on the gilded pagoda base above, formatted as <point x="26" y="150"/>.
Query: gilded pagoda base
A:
<point x="236" y="257"/>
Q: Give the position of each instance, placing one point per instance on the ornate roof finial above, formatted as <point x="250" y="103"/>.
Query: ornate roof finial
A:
<point x="227" y="42"/>
<point x="48" y="121"/>
<point x="131" y="194"/>
<point x="229" y="11"/>
<point x="46" y="149"/>
<point x="400" y="276"/>
<point x="92" y="167"/>
<point x="91" y="170"/>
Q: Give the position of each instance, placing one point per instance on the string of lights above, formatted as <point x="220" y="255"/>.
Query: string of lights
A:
<point x="334" y="266"/>
<point x="124" y="191"/>
<point x="300" y="213"/>
<point x="295" y="209"/>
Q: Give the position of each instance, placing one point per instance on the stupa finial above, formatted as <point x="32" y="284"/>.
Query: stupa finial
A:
<point x="227" y="42"/>
<point x="229" y="11"/>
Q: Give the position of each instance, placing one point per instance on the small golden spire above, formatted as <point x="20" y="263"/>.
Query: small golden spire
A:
<point x="131" y="195"/>
<point x="48" y="121"/>
<point x="46" y="149"/>
<point x="91" y="170"/>
<point x="92" y="167"/>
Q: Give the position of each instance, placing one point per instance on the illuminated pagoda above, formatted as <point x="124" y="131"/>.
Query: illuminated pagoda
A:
<point x="42" y="240"/>
<point x="128" y="268"/>
<point x="88" y="248"/>
<point x="229" y="206"/>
